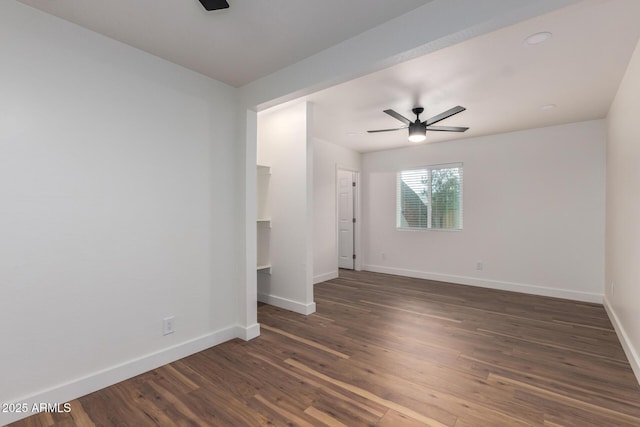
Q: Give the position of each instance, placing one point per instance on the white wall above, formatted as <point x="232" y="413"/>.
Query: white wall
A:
<point x="328" y="158"/>
<point x="284" y="143"/>
<point x="116" y="209"/>
<point x="533" y="213"/>
<point x="622" y="296"/>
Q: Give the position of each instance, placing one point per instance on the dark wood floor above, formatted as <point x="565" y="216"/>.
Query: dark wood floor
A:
<point x="391" y="351"/>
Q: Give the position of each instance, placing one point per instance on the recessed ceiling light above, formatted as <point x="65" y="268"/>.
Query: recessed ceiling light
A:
<point x="548" y="107"/>
<point x="538" y="38"/>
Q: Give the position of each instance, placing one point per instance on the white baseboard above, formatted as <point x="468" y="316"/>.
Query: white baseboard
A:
<point x="288" y="304"/>
<point x="325" y="276"/>
<point x="627" y="345"/>
<point x="248" y="333"/>
<point x="78" y="387"/>
<point x="492" y="284"/>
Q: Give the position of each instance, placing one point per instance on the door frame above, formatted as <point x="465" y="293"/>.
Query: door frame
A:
<point x="357" y="265"/>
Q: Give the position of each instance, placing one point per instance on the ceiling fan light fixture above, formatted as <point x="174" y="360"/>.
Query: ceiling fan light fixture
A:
<point x="417" y="132"/>
<point x="417" y="137"/>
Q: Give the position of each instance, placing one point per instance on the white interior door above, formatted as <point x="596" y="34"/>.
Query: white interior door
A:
<point x="346" y="220"/>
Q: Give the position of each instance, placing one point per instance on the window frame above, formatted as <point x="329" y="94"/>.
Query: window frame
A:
<point x="429" y="189"/>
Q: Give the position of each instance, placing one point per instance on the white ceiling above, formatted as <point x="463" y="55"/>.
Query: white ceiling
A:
<point x="501" y="81"/>
<point x="251" y="39"/>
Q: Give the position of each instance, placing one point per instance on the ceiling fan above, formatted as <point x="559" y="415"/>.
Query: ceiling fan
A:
<point x="214" y="4"/>
<point x="418" y="129"/>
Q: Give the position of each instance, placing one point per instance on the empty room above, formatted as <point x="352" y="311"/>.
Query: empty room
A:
<point x="292" y="212"/>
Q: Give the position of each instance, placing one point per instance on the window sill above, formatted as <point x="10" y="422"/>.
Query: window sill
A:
<point x="446" y="230"/>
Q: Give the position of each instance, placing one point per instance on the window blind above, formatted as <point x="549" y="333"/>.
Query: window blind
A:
<point x="430" y="197"/>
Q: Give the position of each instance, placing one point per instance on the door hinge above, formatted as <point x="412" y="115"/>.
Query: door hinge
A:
<point x="354" y="256"/>
<point x="353" y="184"/>
<point x="354" y="220"/>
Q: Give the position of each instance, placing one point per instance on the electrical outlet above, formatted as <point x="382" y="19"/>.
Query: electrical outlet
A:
<point x="383" y="256"/>
<point x="479" y="265"/>
<point x="613" y="289"/>
<point x="168" y="325"/>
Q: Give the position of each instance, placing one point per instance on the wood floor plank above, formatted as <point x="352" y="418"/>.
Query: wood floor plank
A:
<point x="174" y="379"/>
<point x="557" y="344"/>
<point x="344" y="411"/>
<point x="592" y="390"/>
<point x="323" y="417"/>
<point x="370" y="396"/>
<point x="419" y="313"/>
<point x="385" y="351"/>
<point x="394" y="419"/>
<point x="564" y="398"/>
<point x="569" y="415"/>
<point x="177" y="402"/>
<point x="286" y="414"/>
<point x="335" y="393"/>
<point x="305" y="341"/>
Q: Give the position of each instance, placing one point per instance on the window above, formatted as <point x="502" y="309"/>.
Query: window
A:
<point x="430" y="198"/>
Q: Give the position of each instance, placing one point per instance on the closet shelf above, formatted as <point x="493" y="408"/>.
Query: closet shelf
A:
<point x="263" y="170"/>
<point x="265" y="268"/>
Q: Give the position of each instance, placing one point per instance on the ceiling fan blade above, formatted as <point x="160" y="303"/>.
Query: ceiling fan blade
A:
<point x="446" y="114"/>
<point x="214" y="4"/>
<point x="387" y="130"/>
<point x="398" y="116"/>
<point x="447" y="128"/>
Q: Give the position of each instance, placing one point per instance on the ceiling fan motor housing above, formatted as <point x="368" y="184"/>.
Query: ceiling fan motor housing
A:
<point x="417" y="127"/>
